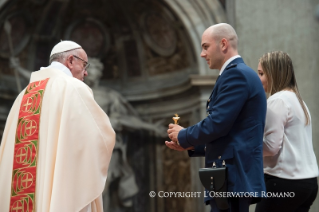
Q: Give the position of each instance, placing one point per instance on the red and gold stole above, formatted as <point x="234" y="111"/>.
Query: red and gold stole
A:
<point x="26" y="149"/>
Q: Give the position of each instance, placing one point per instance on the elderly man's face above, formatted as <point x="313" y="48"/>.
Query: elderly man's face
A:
<point x="211" y="51"/>
<point x="78" y="65"/>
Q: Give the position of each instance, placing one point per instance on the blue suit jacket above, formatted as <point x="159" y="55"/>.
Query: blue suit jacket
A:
<point x="233" y="130"/>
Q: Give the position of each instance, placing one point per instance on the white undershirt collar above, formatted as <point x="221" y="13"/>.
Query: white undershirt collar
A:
<point x="227" y="62"/>
<point x="60" y="66"/>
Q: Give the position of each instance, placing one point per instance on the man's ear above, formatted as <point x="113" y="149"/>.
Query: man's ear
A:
<point x="224" y="44"/>
<point x="69" y="62"/>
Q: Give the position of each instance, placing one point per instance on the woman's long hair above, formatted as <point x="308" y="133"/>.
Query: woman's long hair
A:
<point x="280" y="75"/>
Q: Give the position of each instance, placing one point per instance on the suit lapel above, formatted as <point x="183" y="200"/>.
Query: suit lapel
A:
<point x="214" y="86"/>
<point x="232" y="64"/>
<point x="210" y="97"/>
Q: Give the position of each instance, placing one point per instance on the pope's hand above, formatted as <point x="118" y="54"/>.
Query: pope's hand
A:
<point x="175" y="146"/>
<point x="173" y="130"/>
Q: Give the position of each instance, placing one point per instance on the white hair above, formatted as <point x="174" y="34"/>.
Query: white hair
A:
<point x="60" y="57"/>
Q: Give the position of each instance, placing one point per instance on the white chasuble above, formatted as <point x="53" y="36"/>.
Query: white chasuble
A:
<point x="76" y="141"/>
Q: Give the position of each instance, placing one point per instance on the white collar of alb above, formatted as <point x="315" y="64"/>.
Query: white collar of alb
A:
<point x="60" y="66"/>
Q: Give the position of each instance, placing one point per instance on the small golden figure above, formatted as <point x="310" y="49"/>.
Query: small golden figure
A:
<point x="176" y="118"/>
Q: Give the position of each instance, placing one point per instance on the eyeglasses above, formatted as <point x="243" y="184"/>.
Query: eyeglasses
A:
<point x="86" y="64"/>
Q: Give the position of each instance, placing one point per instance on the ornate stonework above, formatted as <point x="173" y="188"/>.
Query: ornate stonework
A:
<point x="177" y="178"/>
<point x="159" y="35"/>
<point x="19" y="22"/>
<point x="91" y="34"/>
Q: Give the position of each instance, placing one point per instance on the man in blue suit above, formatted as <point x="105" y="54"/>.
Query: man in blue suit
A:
<point x="234" y="126"/>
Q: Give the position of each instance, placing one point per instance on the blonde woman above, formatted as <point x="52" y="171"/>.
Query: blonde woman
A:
<point x="289" y="161"/>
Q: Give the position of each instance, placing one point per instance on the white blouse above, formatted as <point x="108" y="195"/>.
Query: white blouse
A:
<point x="287" y="148"/>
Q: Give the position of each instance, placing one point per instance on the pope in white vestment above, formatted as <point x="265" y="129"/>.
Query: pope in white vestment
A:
<point x="76" y="141"/>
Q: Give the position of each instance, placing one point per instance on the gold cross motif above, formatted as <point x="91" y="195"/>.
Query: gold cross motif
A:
<point x="20" y="154"/>
<point x="30" y="127"/>
<point x="27" y="104"/>
<point x="17" y="207"/>
<point x="26" y="180"/>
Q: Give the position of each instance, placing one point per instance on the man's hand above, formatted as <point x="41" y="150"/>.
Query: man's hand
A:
<point x="175" y="146"/>
<point x="173" y="130"/>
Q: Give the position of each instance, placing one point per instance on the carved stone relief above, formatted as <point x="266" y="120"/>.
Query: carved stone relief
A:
<point x="160" y="65"/>
<point x="19" y="34"/>
<point x="39" y="2"/>
<point x="164" y="49"/>
<point x="159" y="35"/>
<point x="176" y="177"/>
<point x="91" y="35"/>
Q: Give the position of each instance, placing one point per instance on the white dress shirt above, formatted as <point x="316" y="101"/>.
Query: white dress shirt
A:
<point x="227" y="62"/>
<point x="287" y="147"/>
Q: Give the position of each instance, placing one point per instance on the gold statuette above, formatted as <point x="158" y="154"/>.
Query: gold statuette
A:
<point x="176" y="118"/>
